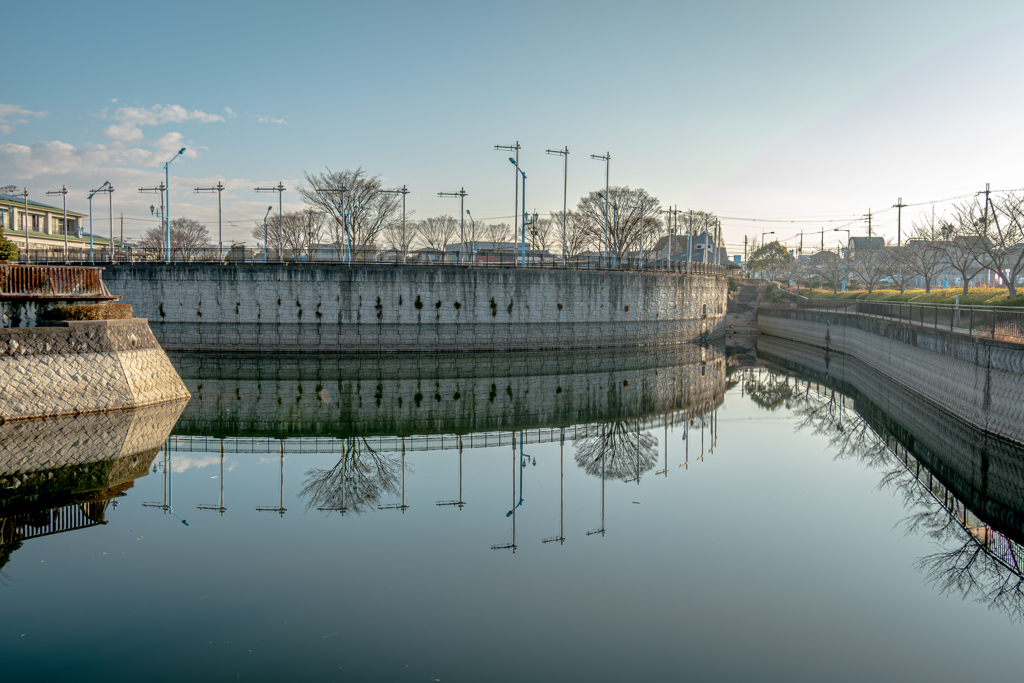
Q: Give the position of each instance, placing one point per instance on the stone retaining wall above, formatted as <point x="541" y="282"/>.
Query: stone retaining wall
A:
<point x="979" y="380"/>
<point x="386" y="309"/>
<point x="83" y="367"/>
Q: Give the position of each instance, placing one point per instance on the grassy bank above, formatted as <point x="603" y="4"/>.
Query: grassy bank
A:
<point x="978" y="296"/>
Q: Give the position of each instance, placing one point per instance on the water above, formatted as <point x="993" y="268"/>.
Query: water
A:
<point x="779" y="529"/>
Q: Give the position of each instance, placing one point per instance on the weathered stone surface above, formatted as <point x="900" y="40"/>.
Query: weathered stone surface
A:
<point x="980" y="380"/>
<point x="83" y="367"/>
<point x="332" y="308"/>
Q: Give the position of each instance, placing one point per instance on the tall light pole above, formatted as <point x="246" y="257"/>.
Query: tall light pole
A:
<point x="523" y="257"/>
<point x="606" y="158"/>
<point x="93" y="193"/>
<point x="218" y="188"/>
<point x="63" y="192"/>
<point x="280" y="217"/>
<point x="843" y="255"/>
<point x="564" y="153"/>
<point x="340" y="190"/>
<point x="167" y="206"/>
<point x="269" y="209"/>
<point x="515" y="203"/>
<point x="461" y="194"/>
<point x="403" y="191"/>
<point x="473" y="228"/>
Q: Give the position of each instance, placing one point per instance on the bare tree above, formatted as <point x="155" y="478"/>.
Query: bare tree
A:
<point x="1000" y="230"/>
<point x="827" y="267"/>
<point x="866" y="265"/>
<point x="894" y="265"/>
<point x="495" y="232"/>
<point x="356" y="215"/>
<point x="542" y="233"/>
<point x="926" y="250"/>
<point x="623" y="223"/>
<point x="300" y="232"/>
<point x="577" y="236"/>
<point x="437" y="232"/>
<point x="188" y="239"/>
<point x="397" y="237"/>
<point x="965" y="248"/>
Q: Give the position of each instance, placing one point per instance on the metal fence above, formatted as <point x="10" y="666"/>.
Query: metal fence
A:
<point x="255" y="256"/>
<point x="995" y="322"/>
<point x="52" y="282"/>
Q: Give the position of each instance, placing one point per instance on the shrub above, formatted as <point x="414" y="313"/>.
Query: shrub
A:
<point x="107" y="311"/>
<point x="733" y="285"/>
<point x="8" y="252"/>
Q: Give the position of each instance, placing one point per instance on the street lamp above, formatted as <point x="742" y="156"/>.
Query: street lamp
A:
<point x="843" y="255"/>
<point x="461" y="194"/>
<point x="92" y="194"/>
<point x="269" y="209"/>
<point x="218" y="188"/>
<point x="280" y="218"/>
<point x="523" y="257"/>
<point x="63" y="192"/>
<point x="564" y="153"/>
<point x="473" y="228"/>
<point x="167" y="209"/>
<point x="404" y="191"/>
<point x="606" y="158"/>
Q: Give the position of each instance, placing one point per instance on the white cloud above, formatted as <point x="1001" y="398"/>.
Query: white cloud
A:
<point x="131" y="119"/>
<point x="268" y="119"/>
<point x="230" y="114"/>
<point x="11" y="115"/>
<point x="181" y="463"/>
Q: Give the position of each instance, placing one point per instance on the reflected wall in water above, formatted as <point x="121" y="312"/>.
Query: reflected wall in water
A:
<point x="60" y="474"/>
<point x="962" y="487"/>
<point x="402" y="395"/>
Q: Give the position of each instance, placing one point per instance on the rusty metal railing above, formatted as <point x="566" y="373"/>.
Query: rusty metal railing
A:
<point x="52" y="282"/>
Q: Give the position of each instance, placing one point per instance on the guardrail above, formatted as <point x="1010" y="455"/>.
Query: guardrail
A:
<point x="995" y="322"/>
<point x="502" y="260"/>
<point x="52" y="282"/>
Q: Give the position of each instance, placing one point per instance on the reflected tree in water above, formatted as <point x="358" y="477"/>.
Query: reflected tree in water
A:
<point x="626" y="456"/>
<point x="356" y="482"/>
<point x="769" y="389"/>
<point x="973" y="560"/>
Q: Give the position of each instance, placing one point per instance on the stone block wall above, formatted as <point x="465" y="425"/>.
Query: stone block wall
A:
<point x="979" y="380"/>
<point x="82" y="367"/>
<point x="384" y="309"/>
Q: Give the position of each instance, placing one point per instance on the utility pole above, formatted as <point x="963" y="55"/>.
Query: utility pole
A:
<point x="515" y="205"/>
<point x="899" y="205"/>
<point x="607" y="159"/>
<point x="564" y="153"/>
<point x="280" y="218"/>
<point x="63" y="192"/>
<point x="218" y="188"/>
<point x="868" y="216"/>
<point x="461" y="194"/>
<point x="403" y="191"/>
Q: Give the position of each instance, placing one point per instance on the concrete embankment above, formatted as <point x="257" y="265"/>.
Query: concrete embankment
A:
<point x="399" y="309"/>
<point x="979" y="380"/>
<point x="83" y="367"/>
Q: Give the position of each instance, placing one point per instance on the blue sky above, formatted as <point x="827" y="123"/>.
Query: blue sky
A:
<point x="800" y="113"/>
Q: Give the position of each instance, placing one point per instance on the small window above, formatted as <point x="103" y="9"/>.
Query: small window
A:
<point x="704" y="311"/>
<point x="35" y="222"/>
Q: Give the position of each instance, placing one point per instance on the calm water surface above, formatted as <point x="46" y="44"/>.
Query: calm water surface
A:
<point x="704" y="521"/>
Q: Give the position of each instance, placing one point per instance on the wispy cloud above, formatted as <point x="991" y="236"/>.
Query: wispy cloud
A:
<point x="268" y="119"/>
<point x="11" y="115"/>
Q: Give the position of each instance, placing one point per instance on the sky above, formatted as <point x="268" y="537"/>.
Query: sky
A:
<point x="778" y="117"/>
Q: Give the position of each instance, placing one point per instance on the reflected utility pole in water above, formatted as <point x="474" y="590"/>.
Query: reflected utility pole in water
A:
<point x="561" y="492"/>
<point x="168" y="504"/>
<point x="403" y="507"/>
<point x="604" y="449"/>
<point x="665" y="471"/>
<point x="280" y="509"/>
<point x="457" y="503"/>
<point x="516" y="460"/>
<point x="219" y="507"/>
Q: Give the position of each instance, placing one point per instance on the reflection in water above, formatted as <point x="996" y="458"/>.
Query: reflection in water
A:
<point x="356" y="481"/>
<point x="62" y="474"/>
<point x="620" y="451"/>
<point x="952" y="488"/>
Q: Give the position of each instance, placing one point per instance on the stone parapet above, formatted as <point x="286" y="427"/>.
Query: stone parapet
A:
<point x="83" y="367"/>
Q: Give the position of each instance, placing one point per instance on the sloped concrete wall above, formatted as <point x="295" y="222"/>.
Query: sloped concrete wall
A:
<point x="979" y="380"/>
<point x="83" y="367"/>
<point x="386" y="309"/>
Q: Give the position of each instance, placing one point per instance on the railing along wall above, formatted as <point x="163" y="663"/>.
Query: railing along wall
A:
<point x="501" y="260"/>
<point x="994" y="322"/>
<point x="52" y="282"/>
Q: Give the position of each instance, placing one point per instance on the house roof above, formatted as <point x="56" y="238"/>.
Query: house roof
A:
<point x="18" y="202"/>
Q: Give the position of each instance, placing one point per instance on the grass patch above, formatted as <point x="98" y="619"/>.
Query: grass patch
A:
<point x="978" y="296"/>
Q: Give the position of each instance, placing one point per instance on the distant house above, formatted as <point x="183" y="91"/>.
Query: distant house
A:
<point x="866" y="243"/>
<point x="677" y="248"/>
<point x="46" y="227"/>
